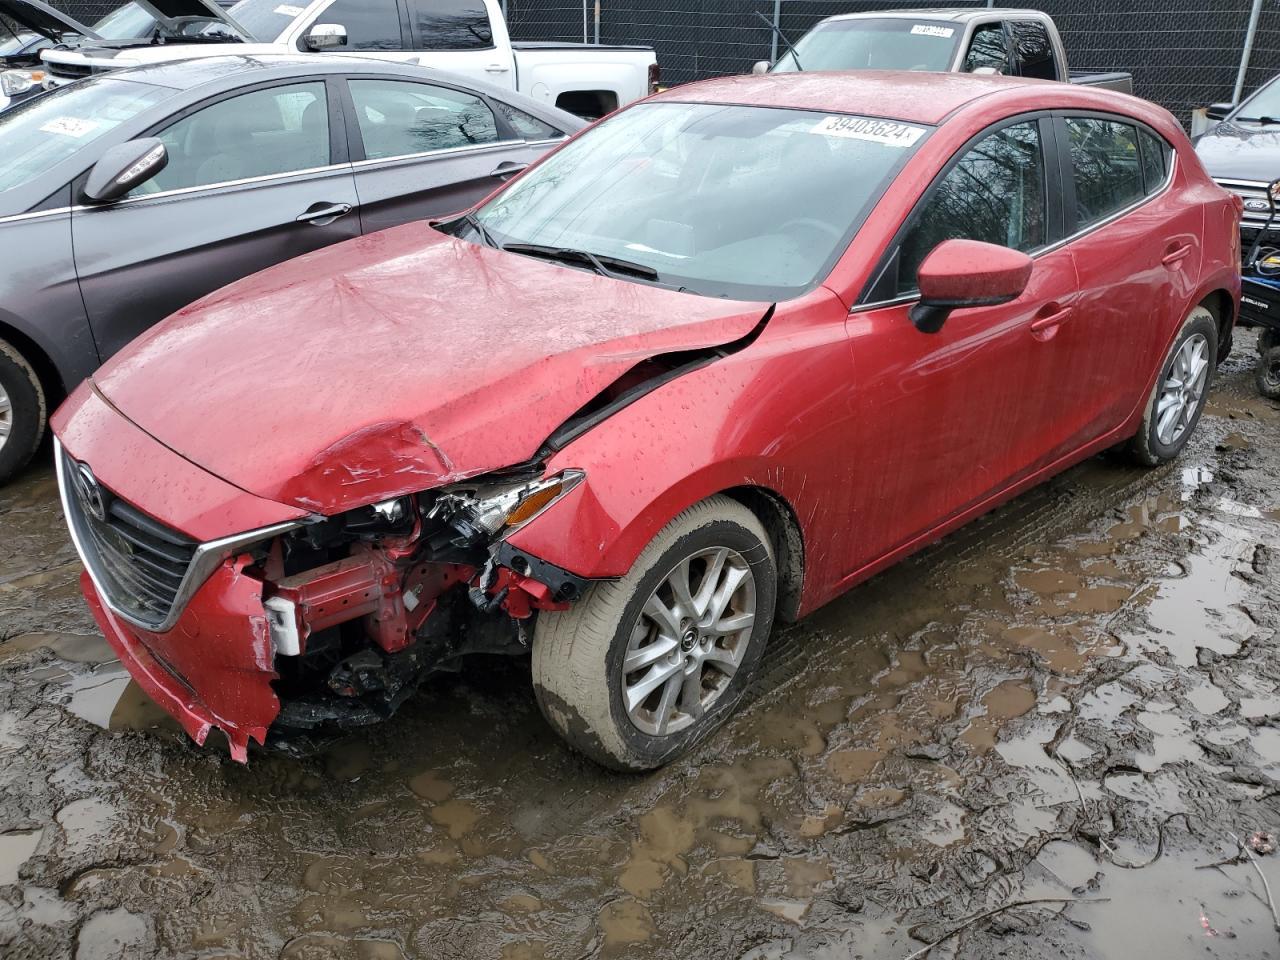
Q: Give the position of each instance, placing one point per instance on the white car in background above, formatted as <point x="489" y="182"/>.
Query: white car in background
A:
<point x="466" y="37"/>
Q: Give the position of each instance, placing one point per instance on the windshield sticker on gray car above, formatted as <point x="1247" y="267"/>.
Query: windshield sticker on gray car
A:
<point x="287" y="10"/>
<point x="887" y="132"/>
<point x="69" y="126"/>
<point x="929" y="30"/>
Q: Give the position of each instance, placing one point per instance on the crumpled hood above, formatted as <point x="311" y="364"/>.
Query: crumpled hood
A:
<point x="1232" y="151"/>
<point x="394" y="363"/>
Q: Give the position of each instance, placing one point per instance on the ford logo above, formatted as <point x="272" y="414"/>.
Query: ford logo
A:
<point x="1257" y="206"/>
<point x="90" y="492"/>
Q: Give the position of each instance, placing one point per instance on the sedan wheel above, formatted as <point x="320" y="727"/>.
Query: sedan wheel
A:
<point x="689" y="641"/>
<point x="22" y="411"/>
<point x="1177" y="400"/>
<point x="642" y="668"/>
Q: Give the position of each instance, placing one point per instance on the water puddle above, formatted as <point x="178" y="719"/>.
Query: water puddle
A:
<point x="15" y="849"/>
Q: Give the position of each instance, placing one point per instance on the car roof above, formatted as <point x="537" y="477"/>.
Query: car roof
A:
<point x="912" y="96"/>
<point x="949" y="14"/>
<point x="235" y="70"/>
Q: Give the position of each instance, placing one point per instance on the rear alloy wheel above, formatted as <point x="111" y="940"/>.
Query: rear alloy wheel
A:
<point x="1268" y="376"/>
<point x="641" y="669"/>
<point x="22" y="412"/>
<point x="1180" y="392"/>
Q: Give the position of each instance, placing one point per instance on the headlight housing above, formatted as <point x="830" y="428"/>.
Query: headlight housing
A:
<point x="494" y="509"/>
<point x="16" y="82"/>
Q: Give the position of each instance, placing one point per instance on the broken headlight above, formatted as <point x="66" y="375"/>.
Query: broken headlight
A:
<point x="482" y="511"/>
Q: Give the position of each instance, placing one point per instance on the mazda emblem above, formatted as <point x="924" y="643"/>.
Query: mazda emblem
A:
<point x="90" y="492"/>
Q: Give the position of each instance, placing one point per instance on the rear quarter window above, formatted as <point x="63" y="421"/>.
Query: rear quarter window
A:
<point x="1157" y="154"/>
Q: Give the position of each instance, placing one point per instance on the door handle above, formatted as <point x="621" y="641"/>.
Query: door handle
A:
<point x="507" y="169"/>
<point x="496" y="68"/>
<point x="1046" y="327"/>
<point x="321" y="215"/>
<point x="1176" y="254"/>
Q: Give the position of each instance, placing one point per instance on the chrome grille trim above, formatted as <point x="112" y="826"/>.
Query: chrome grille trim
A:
<point x="159" y="578"/>
<point x="1249" y="190"/>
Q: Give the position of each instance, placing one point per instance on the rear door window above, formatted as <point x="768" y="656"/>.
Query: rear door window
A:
<point x="450" y="25"/>
<point x="1032" y="50"/>
<point x="995" y="193"/>
<point x="267" y="132"/>
<point x="370" y="24"/>
<point x="988" y="50"/>
<point x="1106" y="167"/>
<point x="401" y="118"/>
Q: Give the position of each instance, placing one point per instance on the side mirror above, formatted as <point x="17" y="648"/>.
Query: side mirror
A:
<point x="761" y="66"/>
<point x="1219" y="111"/>
<point x="124" y="167"/>
<point x="326" y="36"/>
<point x="967" y="273"/>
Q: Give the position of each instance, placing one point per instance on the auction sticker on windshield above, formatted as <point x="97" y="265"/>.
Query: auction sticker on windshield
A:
<point x="929" y="30"/>
<point x="888" y="132"/>
<point x="69" y="126"/>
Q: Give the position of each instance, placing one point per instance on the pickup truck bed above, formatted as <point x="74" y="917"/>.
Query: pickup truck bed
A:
<point x="1113" y="80"/>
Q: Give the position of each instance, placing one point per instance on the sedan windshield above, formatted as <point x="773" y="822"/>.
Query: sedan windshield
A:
<point x="47" y="130"/>
<point x="889" y="44"/>
<point x="728" y="201"/>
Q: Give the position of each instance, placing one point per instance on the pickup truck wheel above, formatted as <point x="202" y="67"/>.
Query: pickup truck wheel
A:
<point x="642" y="668"/>
<point x="1268" y="337"/>
<point x="1180" y="392"/>
<point x="1268" y="376"/>
<point x="22" y="412"/>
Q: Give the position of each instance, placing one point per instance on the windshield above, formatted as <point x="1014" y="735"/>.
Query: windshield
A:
<point x="897" y="44"/>
<point x="1265" y="104"/>
<point x="265" y="19"/>
<point x="134" y="22"/>
<point x="728" y="201"/>
<point x="9" y="44"/>
<point x="47" y="130"/>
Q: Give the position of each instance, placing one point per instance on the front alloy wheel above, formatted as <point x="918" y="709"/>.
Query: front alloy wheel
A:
<point x="641" y="669"/>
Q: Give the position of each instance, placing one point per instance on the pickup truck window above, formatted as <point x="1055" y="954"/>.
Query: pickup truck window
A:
<point x="371" y="24"/>
<point x="988" y="50"/>
<point x="995" y="193"/>
<point x="401" y="118"/>
<point x="890" y="44"/>
<point x="258" y="134"/>
<point x="1033" y="50"/>
<point x="265" y="20"/>
<point x="450" y="25"/>
<point x="1105" y="166"/>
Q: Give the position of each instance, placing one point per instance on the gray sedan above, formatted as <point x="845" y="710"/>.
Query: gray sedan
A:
<point x="126" y="196"/>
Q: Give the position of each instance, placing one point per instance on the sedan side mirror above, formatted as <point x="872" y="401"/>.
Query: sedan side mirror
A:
<point x="1219" y="111"/>
<point x="967" y="273"/>
<point x="326" y="36"/>
<point x="761" y="66"/>
<point x="124" y="167"/>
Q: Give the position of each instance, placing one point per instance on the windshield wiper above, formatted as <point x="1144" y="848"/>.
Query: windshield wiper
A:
<point x="602" y="264"/>
<point x="470" y="220"/>
<point x="1265" y="121"/>
<point x="783" y="37"/>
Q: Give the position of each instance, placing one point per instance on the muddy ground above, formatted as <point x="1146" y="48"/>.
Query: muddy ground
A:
<point x="1076" y="698"/>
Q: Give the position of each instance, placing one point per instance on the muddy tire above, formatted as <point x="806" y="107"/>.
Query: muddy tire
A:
<point x="1268" y="337"/>
<point x="1178" y="397"/>
<point x="689" y="652"/>
<point x="1268" y="375"/>
<point x="23" y="415"/>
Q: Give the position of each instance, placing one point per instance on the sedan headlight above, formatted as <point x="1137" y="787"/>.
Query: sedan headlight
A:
<point x="16" y="82"/>
<point x="494" y="509"/>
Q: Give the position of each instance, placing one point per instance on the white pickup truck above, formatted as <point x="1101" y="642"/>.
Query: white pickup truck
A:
<point x="467" y="37"/>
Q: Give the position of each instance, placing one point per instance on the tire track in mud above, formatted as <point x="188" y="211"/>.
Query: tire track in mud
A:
<point x="994" y="720"/>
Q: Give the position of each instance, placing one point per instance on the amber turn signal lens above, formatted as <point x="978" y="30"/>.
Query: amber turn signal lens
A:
<point x="530" y="506"/>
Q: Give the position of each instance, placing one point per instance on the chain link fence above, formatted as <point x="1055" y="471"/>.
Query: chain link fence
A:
<point x="1182" y="53"/>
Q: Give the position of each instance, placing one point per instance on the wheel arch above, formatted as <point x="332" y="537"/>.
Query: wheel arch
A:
<point x="783" y="526"/>
<point x="1222" y="305"/>
<point x="51" y="382"/>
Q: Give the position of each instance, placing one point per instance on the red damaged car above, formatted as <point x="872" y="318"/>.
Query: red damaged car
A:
<point x="714" y="361"/>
